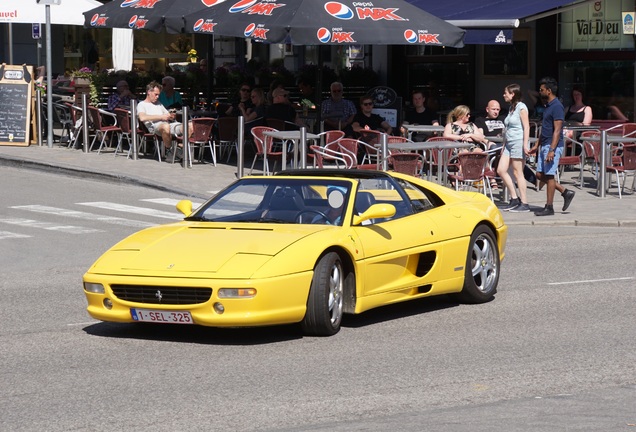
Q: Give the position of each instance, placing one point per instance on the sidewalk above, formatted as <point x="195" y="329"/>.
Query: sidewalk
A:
<point x="202" y="180"/>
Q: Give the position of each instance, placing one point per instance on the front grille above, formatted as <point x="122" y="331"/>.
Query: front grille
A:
<point x="161" y="294"/>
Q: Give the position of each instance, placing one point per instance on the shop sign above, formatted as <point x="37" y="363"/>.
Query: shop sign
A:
<point x="595" y="26"/>
<point x="628" y="23"/>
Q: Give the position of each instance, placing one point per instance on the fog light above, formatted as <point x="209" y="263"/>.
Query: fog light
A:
<point x="236" y="292"/>
<point x="219" y="308"/>
<point x="94" y="288"/>
<point x="108" y="304"/>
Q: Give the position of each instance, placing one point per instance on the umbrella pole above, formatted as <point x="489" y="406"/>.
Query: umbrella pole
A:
<point x="318" y="90"/>
<point x="210" y="71"/>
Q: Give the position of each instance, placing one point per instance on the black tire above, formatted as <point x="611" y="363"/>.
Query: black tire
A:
<point x="482" y="267"/>
<point x="326" y="297"/>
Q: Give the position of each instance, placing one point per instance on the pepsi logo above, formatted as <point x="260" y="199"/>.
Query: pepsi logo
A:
<point x="127" y="3"/>
<point x="410" y="36"/>
<point x="94" y="19"/>
<point x="338" y="10"/>
<point x="249" y="30"/>
<point x="132" y="21"/>
<point x="197" y="25"/>
<point x="323" y="34"/>
<point x="242" y="5"/>
<point x="210" y="3"/>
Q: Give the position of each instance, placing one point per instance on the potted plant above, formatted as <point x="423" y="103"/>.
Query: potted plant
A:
<point x="85" y="76"/>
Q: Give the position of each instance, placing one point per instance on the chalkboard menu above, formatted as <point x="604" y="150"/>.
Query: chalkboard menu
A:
<point x="15" y="104"/>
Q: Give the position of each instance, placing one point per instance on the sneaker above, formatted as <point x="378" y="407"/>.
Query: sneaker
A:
<point x="568" y="196"/>
<point x="521" y="208"/>
<point x="512" y="204"/>
<point x="548" y="210"/>
<point x="179" y="154"/>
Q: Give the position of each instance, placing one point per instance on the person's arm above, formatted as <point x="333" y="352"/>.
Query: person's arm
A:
<point x="113" y="101"/>
<point x="387" y="127"/>
<point x="556" y="137"/>
<point x="164" y="116"/>
<point x="525" y="123"/>
<point x="587" y="117"/>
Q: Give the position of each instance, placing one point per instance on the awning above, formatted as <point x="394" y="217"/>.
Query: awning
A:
<point x="496" y="15"/>
<point x="68" y="12"/>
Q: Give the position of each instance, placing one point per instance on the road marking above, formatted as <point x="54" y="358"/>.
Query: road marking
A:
<point x="169" y="202"/>
<point x="132" y="209"/>
<point x="591" y="281"/>
<point x="8" y="234"/>
<point x="84" y="215"/>
<point x="70" y="229"/>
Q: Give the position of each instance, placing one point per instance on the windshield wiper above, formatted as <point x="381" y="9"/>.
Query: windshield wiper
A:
<point x="196" y="219"/>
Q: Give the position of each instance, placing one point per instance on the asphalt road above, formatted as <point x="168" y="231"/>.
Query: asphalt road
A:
<point x="554" y="351"/>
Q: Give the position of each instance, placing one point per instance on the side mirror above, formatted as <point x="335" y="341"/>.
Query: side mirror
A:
<point x="185" y="207"/>
<point x="376" y="211"/>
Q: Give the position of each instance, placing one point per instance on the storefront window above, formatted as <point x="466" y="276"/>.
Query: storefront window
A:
<point x="608" y="86"/>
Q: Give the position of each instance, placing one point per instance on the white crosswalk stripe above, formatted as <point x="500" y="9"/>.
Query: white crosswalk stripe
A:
<point x="133" y="209"/>
<point x="169" y="202"/>
<point x="10" y="235"/>
<point x="69" y="229"/>
<point x="83" y="215"/>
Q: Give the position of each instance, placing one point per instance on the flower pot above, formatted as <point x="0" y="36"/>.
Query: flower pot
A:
<point x="193" y="59"/>
<point x="82" y="81"/>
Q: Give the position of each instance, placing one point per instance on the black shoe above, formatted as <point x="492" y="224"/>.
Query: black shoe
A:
<point x="514" y="202"/>
<point x="179" y="154"/>
<point x="548" y="210"/>
<point x="568" y="196"/>
<point x="521" y="208"/>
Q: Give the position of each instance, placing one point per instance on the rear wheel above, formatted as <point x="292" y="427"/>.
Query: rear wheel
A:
<point x="482" y="267"/>
<point x="325" y="302"/>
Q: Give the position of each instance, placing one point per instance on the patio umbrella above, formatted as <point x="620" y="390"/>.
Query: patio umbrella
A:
<point x="316" y="22"/>
<point x="143" y="14"/>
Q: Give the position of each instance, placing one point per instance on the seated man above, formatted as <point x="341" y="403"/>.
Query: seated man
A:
<point x="419" y="115"/>
<point x="169" y="97"/>
<point x="338" y="112"/>
<point x="158" y="119"/>
<point x="121" y="98"/>
<point x="492" y="125"/>
<point x="281" y="108"/>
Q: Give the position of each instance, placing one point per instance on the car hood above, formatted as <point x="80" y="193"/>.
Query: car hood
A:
<point x="201" y="250"/>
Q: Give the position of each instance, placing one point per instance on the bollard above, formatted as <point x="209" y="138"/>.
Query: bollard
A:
<point x="85" y="121"/>
<point x="602" y="178"/>
<point x="133" y="128"/>
<point x="303" y="149"/>
<point x="38" y="116"/>
<point x="240" y="147"/>
<point x="187" y="162"/>
<point x="384" y="145"/>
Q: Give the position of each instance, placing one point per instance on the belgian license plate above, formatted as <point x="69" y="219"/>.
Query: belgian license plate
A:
<point x="161" y="316"/>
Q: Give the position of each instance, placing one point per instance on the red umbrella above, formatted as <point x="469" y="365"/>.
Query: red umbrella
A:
<point x="315" y="22"/>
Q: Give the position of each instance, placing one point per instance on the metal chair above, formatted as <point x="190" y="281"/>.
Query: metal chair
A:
<point x="228" y="136"/>
<point x="626" y="167"/>
<point x="472" y="166"/>
<point x="407" y="163"/>
<point x="571" y="158"/>
<point x="101" y="129"/>
<point x="201" y="136"/>
<point x="123" y="120"/>
<point x="328" y="158"/>
<point x="264" y="148"/>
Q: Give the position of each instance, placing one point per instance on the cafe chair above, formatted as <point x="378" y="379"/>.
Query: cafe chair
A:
<point x="328" y="139"/>
<point x="144" y="135"/>
<point x="407" y="163"/>
<point x="471" y="173"/>
<point x="626" y="167"/>
<point x="123" y="120"/>
<point x="201" y="137"/>
<point x="77" y="124"/>
<point x="326" y="157"/>
<point x="573" y="155"/>
<point x="228" y="136"/>
<point x="592" y="149"/>
<point x="264" y="148"/>
<point x="101" y="129"/>
<point x="62" y="117"/>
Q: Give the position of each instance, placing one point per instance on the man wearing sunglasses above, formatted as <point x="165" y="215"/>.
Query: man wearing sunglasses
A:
<point x="367" y="120"/>
<point x="338" y="112"/>
<point x="243" y="104"/>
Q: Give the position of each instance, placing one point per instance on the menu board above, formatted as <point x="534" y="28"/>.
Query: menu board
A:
<point x="15" y="104"/>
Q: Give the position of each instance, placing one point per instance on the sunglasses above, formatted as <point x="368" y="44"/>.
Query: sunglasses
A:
<point x="367" y="103"/>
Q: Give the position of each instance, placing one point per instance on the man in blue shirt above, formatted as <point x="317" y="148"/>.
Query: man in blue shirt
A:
<point x="550" y="147"/>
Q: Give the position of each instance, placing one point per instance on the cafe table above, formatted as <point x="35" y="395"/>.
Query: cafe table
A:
<point x="440" y="146"/>
<point x="411" y="128"/>
<point x="288" y="136"/>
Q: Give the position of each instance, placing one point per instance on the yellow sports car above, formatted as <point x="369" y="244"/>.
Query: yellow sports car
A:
<point x="303" y="246"/>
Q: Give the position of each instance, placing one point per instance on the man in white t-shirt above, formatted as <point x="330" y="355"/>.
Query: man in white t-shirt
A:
<point x="157" y="118"/>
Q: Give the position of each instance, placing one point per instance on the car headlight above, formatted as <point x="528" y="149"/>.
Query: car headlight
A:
<point x="94" y="288"/>
<point x="236" y="292"/>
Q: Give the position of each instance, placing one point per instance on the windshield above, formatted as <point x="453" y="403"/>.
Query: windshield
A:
<point x="276" y="200"/>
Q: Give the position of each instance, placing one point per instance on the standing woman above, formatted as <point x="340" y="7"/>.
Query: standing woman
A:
<point x="515" y="149"/>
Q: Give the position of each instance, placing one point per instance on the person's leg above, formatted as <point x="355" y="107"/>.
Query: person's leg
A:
<point x="517" y="169"/>
<point x="163" y="130"/>
<point x="502" y="170"/>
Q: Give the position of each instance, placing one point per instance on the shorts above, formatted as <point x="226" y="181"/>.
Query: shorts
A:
<point x="548" y="168"/>
<point x="176" y="128"/>
<point x="514" y="149"/>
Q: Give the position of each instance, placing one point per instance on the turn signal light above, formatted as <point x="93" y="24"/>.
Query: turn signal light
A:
<point x="94" y="288"/>
<point x="236" y="292"/>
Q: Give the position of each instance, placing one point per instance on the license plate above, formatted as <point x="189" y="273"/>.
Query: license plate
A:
<point x="161" y="316"/>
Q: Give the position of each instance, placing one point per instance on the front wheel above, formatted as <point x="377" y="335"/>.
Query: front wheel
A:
<point x="482" y="267"/>
<point x="325" y="302"/>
